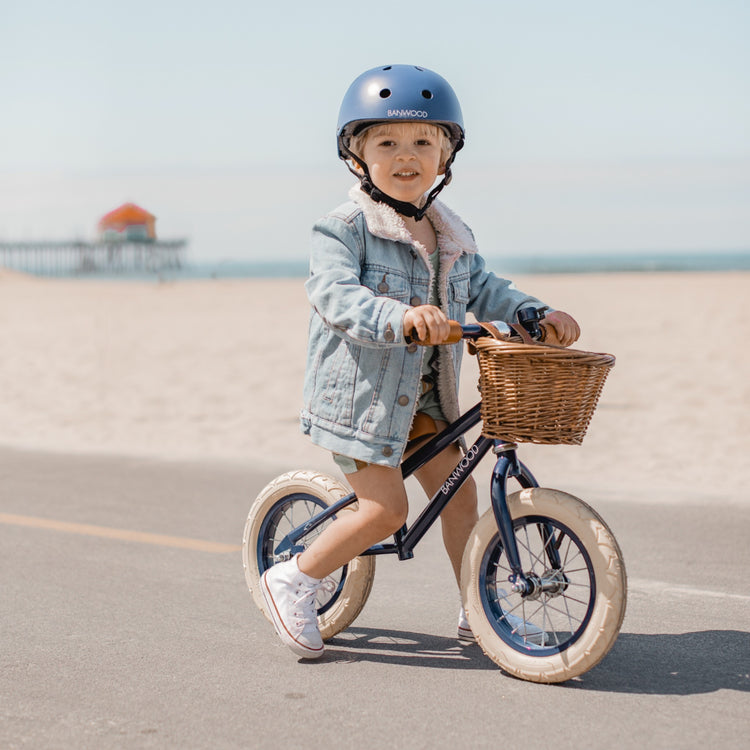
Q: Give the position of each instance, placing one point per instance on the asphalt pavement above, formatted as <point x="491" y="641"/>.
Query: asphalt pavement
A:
<point x="125" y="623"/>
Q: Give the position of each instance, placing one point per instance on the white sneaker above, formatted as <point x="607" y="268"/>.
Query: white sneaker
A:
<point x="290" y="598"/>
<point x="464" y="629"/>
<point x="519" y="626"/>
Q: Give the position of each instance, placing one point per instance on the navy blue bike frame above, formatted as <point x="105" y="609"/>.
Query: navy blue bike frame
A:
<point x="406" y="538"/>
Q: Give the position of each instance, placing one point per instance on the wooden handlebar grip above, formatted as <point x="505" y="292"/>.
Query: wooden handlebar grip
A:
<point x="456" y="333"/>
<point x="454" y="336"/>
<point x="550" y="334"/>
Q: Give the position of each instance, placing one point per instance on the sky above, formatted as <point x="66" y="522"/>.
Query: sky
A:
<point x="591" y="126"/>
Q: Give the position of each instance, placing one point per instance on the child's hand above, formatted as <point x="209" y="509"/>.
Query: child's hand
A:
<point x="429" y="322"/>
<point x="561" y="328"/>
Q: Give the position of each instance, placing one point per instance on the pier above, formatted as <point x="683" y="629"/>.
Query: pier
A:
<point x="66" y="258"/>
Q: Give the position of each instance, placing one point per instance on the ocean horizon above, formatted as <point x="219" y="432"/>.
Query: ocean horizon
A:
<point x="530" y="264"/>
<point x="559" y="263"/>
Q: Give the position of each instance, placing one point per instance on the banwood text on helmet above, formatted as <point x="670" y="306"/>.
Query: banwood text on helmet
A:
<point x="399" y="93"/>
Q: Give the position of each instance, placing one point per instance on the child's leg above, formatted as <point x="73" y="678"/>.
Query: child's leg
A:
<point x="382" y="510"/>
<point x="460" y="515"/>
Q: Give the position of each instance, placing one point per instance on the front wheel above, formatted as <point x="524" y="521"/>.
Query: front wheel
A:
<point x="284" y="504"/>
<point x="573" y="616"/>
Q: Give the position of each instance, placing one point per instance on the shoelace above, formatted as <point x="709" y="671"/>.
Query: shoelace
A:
<point x="308" y="612"/>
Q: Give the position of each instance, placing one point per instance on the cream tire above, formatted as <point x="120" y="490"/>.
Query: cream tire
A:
<point x="304" y="493"/>
<point x="582" y="642"/>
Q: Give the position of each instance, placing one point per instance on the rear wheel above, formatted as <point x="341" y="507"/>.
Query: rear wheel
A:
<point x="284" y="504"/>
<point x="572" y="619"/>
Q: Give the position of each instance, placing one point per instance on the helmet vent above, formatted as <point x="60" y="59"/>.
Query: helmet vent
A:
<point x="427" y="94"/>
<point x="387" y="67"/>
<point x="385" y="93"/>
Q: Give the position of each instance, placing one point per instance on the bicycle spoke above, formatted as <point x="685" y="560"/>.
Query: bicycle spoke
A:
<point x="569" y="598"/>
<point x="311" y="508"/>
<point x="572" y="620"/>
<point x="534" y="557"/>
<point x="567" y="610"/>
<point x="559" y="540"/>
<point x="566" y="561"/>
<point x="551" y="542"/>
<point x="505" y="568"/>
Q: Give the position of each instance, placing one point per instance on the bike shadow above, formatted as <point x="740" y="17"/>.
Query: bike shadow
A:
<point x="639" y="663"/>
<point x="672" y="664"/>
<point x="404" y="648"/>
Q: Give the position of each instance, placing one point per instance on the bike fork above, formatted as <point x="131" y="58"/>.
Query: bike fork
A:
<point x="508" y="465"/>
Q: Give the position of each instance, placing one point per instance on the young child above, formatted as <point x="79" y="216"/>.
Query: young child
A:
<point x="390" y="261"/>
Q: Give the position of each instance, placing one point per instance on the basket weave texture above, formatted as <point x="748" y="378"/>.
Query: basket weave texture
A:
<point x="537" y="393"/>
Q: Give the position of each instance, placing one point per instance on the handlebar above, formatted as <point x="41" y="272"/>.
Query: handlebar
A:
<point x="529" y="322"/>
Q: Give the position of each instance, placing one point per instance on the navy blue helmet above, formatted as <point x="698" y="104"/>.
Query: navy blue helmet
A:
<point x="406" y="93"/>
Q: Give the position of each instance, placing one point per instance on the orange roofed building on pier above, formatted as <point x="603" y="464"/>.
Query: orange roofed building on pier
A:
<point x="128" y="222"/>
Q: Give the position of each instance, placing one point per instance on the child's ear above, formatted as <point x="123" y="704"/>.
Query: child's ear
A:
<point x="441" y="168"/>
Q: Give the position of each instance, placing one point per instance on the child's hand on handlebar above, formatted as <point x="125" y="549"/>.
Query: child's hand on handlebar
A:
<point x="561" y="328"/>
<point x="428" y="323"/>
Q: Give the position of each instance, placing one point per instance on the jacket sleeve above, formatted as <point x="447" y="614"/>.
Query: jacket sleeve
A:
<point x="493" y="298"/>
<point x="346" y="306"/>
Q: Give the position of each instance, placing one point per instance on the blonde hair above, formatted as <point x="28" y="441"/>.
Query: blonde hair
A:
<point x="357" y="143"/>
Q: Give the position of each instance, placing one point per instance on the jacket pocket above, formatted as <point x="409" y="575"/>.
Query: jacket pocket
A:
<point x="458" y="297"/>
<point x="460" y="290"/>
<point x="385" y="282"/>
<point x="335" y="380"/>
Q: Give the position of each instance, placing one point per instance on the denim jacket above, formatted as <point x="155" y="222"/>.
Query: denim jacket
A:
<point x="362" y="380"/>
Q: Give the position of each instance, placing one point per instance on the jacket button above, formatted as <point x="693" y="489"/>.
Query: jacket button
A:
<point x="387" y="451"/>
<point x="403" y="400"/>
<point x="415" y="301"/>
<point x="412" y="348"/>
<point x="389" y="335"/>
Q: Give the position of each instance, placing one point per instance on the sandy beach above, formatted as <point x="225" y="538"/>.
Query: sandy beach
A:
<point x="213" y="370"/>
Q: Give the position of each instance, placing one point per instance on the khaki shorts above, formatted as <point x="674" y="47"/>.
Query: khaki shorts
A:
<point x="428" y="404"/>
<point x="348" y="465"/>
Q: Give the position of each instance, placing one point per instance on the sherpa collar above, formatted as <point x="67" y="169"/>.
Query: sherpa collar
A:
<point x="454" y="237"/>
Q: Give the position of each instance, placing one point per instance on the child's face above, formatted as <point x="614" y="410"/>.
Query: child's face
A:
<point x="404" y="159"/>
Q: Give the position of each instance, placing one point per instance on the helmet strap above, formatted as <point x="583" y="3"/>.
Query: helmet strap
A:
<point x="401" y="207"/>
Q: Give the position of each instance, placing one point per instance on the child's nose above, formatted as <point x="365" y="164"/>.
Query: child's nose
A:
<point x="405" y="151"/>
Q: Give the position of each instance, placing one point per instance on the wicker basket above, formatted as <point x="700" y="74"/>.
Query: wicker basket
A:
<point x="537" y="393"/>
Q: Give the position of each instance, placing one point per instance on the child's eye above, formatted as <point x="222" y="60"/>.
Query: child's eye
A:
<point x="387" y="143"/>
<point x="424" y="142"/>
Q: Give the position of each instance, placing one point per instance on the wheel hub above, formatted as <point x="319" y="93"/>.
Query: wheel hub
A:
<point x="551" y="583"/>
